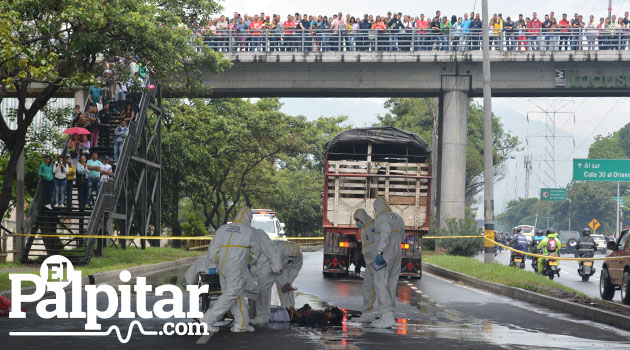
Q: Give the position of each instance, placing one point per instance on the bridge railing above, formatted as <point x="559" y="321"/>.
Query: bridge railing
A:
<point x="451" y="39"/>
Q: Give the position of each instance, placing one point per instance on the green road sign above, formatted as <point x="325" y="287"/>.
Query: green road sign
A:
<point x="553" y="194"/>
<point x="601" y="170"/>
<point x="620" y="199"/>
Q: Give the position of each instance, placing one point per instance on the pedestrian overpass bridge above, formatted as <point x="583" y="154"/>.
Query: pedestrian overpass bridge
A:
<point x="453" y="76"/>
<point x="420" y="73"/>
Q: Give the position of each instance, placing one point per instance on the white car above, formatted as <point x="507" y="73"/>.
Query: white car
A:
<point x="601" y="243"/>
<point x="267" y="220"/>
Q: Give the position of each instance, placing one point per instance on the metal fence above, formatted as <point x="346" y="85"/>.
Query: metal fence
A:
<point x="451" y="39"/>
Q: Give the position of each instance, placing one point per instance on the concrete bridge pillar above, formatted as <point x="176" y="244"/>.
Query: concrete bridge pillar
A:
<point x="453" y="126"/>
<point x="80" y="96"/>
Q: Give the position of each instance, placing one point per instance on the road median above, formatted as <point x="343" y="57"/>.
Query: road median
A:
<point x="602" y="312"/>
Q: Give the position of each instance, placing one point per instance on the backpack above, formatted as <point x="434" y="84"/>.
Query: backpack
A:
<point x="552" y="245"/>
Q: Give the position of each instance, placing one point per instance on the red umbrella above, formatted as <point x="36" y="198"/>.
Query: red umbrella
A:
<point x="76" y="130"/>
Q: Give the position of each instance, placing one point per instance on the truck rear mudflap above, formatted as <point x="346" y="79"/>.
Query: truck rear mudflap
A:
<point x="336" y="263"/>
<point x="411" y="267"/>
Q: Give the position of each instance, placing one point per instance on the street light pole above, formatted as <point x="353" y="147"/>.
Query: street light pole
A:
<point x="617" y="231"/>
<point x="488" y="151"/>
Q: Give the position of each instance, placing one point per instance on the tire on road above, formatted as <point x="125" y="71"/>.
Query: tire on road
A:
<point x="625" y="288"/>
<point x="606" y="288"/>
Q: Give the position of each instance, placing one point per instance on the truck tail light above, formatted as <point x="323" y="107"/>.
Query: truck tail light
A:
<point x="404" y="245"/>
<point x="344" y="244"/>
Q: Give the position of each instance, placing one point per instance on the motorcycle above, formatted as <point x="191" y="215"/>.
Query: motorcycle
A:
<point x="535" y="260"/>
<point x="586" y="269"/>
<point x="517" y="260"/>
<point x="550" y="267"/>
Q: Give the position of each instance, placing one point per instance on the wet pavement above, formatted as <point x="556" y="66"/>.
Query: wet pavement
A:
<point x="432" y="313"/>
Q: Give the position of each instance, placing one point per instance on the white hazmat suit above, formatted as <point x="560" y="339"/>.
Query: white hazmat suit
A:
<point x="390" y="230"/>
<point x="369" y="254"/>
<point x="229" y="253"/>
<point x="292" y="260"/>
<point x="267" y="266"/>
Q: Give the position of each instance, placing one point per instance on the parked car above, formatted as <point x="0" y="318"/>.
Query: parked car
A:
<point x="615" y="274"/>
<point x="569" y="241"/>
<point x="602" y="243"/>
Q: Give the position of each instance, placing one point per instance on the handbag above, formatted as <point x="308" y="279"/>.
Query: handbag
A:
<point x="80" y="179"/>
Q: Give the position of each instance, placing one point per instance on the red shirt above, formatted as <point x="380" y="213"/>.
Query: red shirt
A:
<point x="535" y="24"/>
<point x="255" y="27"/>
<point x="288" y="26"/>
<point x="421" y="26"/>
<point x="564" y="23"/>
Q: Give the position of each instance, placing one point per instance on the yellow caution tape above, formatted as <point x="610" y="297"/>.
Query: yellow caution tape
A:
<point x="199" y="238"/>
<point x="445" y="237"/>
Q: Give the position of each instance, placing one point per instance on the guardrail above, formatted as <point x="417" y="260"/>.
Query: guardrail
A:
<point x="415" y="39"/>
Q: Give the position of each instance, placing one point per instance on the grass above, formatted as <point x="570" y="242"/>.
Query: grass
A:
<point x="115" y="259"/>
<point x="499" y="273"/>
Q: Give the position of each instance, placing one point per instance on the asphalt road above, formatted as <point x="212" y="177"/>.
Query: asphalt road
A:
<point x="568" y="274"/>
<point x="432" y="313"/>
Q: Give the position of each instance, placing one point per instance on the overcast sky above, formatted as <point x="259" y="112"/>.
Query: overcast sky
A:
<point x="592" y="116"/>
<point x="448" y="7"/>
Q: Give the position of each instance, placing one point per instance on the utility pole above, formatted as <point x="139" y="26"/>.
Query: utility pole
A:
<point x="488" y="167"/>
<point x="617" y="230"/>
<point x="609" y="8"/>
<point x="569" y="212"/>
<point x="19" y="206"/>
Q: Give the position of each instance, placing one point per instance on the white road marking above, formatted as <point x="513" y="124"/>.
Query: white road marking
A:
<point x="204" y="338"/>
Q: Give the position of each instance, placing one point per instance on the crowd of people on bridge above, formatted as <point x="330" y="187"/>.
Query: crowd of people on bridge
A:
<point x="414" y="32"/>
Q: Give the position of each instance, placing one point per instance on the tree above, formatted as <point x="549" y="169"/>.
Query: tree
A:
<point x="607" y="147"/>
<point x="47" y="46"/>
<point x="414" y="114"/>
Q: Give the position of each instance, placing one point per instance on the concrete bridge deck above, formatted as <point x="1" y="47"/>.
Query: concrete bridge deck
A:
<point x="420" y="73"/>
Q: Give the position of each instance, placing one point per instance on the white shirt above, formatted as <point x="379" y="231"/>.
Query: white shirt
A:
<point x="105" y="167"/>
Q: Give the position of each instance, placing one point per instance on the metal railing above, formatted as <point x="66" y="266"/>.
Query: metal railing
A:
<point x="414" y="39"/>
<point x="110" y="191"/>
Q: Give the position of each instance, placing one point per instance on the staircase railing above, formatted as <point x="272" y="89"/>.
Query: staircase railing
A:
<point x="110" y="191"/>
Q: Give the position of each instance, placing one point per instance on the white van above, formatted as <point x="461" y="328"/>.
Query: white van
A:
<point x="267" y="220"/>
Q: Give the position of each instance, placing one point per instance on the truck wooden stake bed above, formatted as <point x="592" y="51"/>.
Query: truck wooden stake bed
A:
<point x="365" y="164"/>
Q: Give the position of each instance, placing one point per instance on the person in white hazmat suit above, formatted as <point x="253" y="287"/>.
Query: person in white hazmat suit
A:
<point x="267" y="266"/>
<point x="228" y="255"/>
<point x="390" y="230"/>
<point x="366" y="225"/>
<point x="292" y="260"/>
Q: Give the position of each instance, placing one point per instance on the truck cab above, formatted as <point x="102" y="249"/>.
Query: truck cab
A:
<point x="362" y="165"/>
<point x="267" y="220"/>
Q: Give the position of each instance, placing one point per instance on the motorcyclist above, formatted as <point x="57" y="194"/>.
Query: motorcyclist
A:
<point x="544" y="244"/>
<point x="538" y="236"/>
<point x="519" y="242"/>
<point x="586" y="244"/>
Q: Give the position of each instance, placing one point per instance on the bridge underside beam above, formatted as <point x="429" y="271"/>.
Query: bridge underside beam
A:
<point x="346" y="74"/>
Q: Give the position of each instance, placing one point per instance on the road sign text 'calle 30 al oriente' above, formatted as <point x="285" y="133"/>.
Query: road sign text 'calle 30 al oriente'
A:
<point x="601" y="170"/>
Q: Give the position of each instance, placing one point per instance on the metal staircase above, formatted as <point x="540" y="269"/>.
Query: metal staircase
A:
<point x="126" y="203"/>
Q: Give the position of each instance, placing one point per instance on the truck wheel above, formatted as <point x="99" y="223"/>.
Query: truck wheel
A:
<point x="606" y="289"/>
<point x="625" y="288"/>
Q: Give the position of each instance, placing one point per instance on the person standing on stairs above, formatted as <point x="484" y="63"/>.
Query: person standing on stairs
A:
<point x="46" y="175"/>
<point x="61" y="173"/>
<point x="69" y="180"/>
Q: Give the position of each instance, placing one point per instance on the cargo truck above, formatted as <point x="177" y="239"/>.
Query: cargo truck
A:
<point x="360" y="166"/>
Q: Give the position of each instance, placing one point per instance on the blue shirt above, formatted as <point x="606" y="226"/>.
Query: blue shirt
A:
<point x="466" y="24"/>
<point x="94" y="173"/>
<point x="95" y="93"/>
